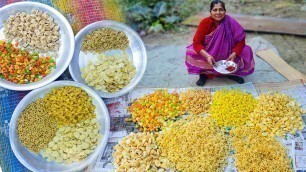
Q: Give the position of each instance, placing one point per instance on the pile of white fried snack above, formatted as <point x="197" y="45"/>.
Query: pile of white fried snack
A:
<point x="110" y="73"/>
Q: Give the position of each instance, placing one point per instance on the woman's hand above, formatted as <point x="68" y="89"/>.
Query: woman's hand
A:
<point x="231" y="57"/>
<point x="210" y="59"/>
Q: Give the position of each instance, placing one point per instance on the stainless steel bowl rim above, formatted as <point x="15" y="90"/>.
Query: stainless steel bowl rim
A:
<point x="68" y="58"/>
<point x="144" y="62"/>
<point x="222" y="62"/>
<point x="55" y="84"/>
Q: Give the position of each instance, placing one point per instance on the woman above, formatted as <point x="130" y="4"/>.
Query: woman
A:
<point x="219" y="37"/>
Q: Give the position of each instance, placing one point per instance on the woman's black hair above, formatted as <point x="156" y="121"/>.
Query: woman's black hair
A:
<point x="214" y="2"/>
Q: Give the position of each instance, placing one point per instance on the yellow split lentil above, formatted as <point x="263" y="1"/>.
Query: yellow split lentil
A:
<point x="194" y="144"/>
<point x="277" y="114"/>
<point x="196" y="101"/>
<point x="35" y="127"/>
<point x="231" y="108"/>
<point x="69" y="105"/>
<point x="256" y="153"/>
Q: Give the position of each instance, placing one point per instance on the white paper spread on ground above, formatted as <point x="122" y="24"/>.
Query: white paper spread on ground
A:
<point x="119" y="128"/>
<point x="296" y="144"/>
<point x="299" y="155"/>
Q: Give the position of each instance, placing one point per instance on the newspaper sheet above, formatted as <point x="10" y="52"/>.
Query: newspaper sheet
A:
<point x="120" y="128"/>
<point x="299" y="154"/>
<point x="295" y="144"/>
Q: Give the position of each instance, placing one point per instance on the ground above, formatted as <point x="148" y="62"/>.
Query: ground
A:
<point x="291" y="48"/>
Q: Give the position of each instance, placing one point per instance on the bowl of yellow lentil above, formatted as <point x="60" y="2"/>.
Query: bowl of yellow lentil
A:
<point x="62" y="126"/>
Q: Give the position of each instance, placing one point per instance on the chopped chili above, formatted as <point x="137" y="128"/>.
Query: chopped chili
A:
<point x="230" y="68"/>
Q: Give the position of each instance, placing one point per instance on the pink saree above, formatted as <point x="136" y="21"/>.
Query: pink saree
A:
<point x="220" y="44"/>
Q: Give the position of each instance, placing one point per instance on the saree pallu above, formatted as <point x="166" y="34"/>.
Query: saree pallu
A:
<point x="220" y="44"/>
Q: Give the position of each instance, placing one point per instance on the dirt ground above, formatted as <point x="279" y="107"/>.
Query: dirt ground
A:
<point x="291" y="48"/>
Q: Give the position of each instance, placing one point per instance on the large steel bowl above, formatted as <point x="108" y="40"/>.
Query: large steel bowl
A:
<point x="136" y="52"/>
<point x="66" y="49"/>
<point x="36" y="162"/>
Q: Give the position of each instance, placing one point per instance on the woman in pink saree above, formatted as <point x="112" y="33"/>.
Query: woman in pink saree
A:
<point x="219" y="37"/>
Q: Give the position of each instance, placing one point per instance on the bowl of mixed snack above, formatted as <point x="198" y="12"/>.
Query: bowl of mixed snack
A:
<point x="63" y="126"/>
<point x="110" y="57"/>
<point x="36" y="45"/>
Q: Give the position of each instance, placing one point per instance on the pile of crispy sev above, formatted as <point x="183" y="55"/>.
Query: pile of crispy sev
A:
<point x="194" y="144"/>
<point x="255" y="152"/>
<point x="238" y="124"/>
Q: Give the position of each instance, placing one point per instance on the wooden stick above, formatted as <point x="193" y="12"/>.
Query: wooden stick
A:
<point x="280" y="65"/>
